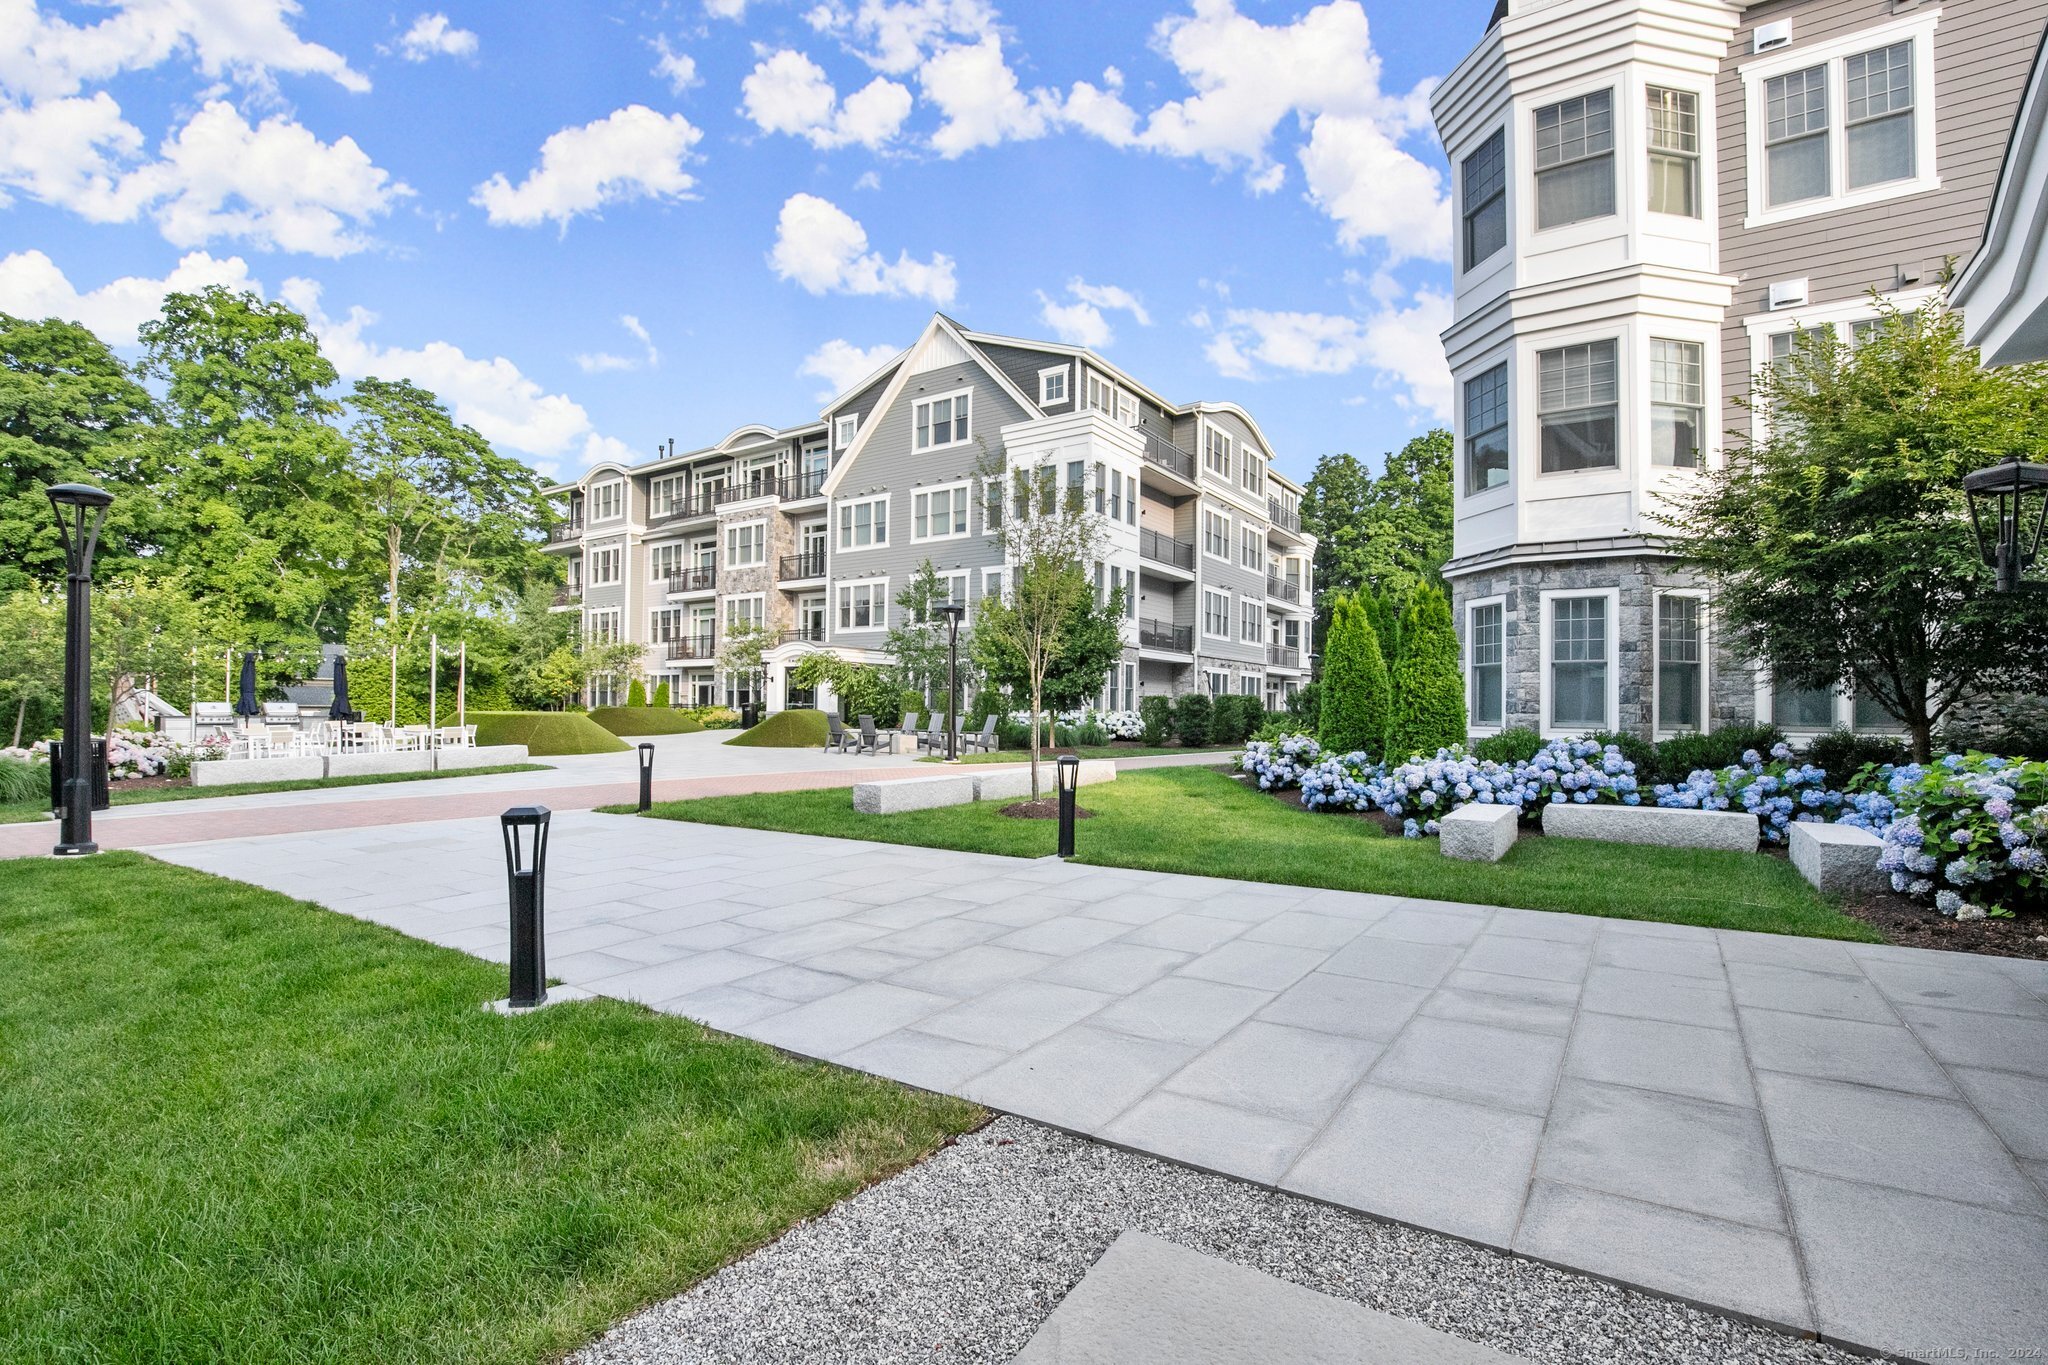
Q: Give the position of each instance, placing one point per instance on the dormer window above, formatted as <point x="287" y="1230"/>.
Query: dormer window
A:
<point x="1485" y="175"/>
<point x="1575" y="160"/>
<point x="942" y="422"/>
<point x="844" y="429"/>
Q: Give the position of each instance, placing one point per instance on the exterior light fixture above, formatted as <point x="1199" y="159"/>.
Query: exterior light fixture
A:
<point x="1069" y="768"/>
<point x="2001" y="496"/>
<point x="526" y="860"/>
<point x="80" y="510"/>
<point x="953" y="612"/>
<point x="646" y="776"/>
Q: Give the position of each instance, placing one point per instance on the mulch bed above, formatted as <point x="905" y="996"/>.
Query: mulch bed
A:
<point x="1046" y="808"/>
<point x="137" y="784"/>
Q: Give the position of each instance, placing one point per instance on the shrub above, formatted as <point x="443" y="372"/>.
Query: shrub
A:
<point x="661" y="693"/>
<point x="1682" y="755"/>
<point x="1233" y="718"/>
<point x="1777" y="790"/>
<point x="23" y="780"/>
<point x="1354" y="702"/>
<point x="1842" y="753"/>
<point x="1428" y="683"/>
<point x="1969" y="833"/>
<point x="645" y="720"/>
<point x="636" y="693"/>
<point x="1090" y="734"/>
<point x="713" y="717"/>
<point x="1634" y="748"/>
<point x="545" y="733"/>
<point x="1278" y="764"/>
<point x="1305" y="709"/>
<point x="1193" y="715"/>
<point x="1510" y="747"/>
<point x="798" y="729"/>
<point x="1383" y="613"/>
<point x="1156" y="714"/>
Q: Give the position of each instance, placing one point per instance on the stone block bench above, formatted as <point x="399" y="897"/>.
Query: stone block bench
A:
<point x="1014" y="784"/>
<point x="231" y="772"/>
<point x="358" y="765"/>
<point x="479" y="756"/>
<point x="1838" y="858"/>
<point x="962" y="788"/>
<point x="1478" y="832"/>
<point x="1670" y="826"/>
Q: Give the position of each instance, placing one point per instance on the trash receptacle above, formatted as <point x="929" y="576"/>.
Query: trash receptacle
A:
<point x="99" y="775"/>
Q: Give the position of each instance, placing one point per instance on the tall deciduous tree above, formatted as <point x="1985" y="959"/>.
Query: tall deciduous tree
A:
<point x="1386" y="534"/>
<point x="31" y="660"/>
<point x="917" y="634"/>
<point x="1838" y="536"/>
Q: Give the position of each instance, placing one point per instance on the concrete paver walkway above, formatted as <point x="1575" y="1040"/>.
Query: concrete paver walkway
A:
<point x="1848" y="1139"/>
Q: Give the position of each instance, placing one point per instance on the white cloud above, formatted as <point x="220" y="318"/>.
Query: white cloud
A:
<point x="1372" y="189"/>
<point x="897" y="35"/>
<point x="274" y="185"/>
<point x="631" y="154"/>
<point x="639" y="331"/>
<point x="821" y="247"/>
<point x="983" y="105"/>
<point x="493" y="395"/>
<point x="1079" y="319"/>
<point x="841" y="364"/>
<point x="601" y="362"/>
<point x="42" y="55"/>
<point x="679" y="69"/>
<point x="734" y="10"/>
<point x="31" y="286"/>
<point x="1401" y="344"/>
<point x="431" y="35"/>
<point x="869" y="180"/>
<point x="787" y="92"/>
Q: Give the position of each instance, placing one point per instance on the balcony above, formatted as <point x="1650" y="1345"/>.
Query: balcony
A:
<point x="1165" y="455"/>
<point x="1283" y="518"/>
<point x="806" y="635"/>
<point x="797" y="487"/>
<point x="759" y="484"/>
<point x="701" y="579"/>
<point x="688" y="647"/>
<point x="1166" y="550"/>
<point x="1283" y="589"/>
<point x="1283" y="656"/>
<point x="810" y="565"/>
<point x="1166" y="635"/>
<point x="567" y="531"/>
<point x="569" y="596"/>
<point x="699" y="504"/>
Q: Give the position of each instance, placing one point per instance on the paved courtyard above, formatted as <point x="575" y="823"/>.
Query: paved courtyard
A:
<point x="1846" y="1139"/>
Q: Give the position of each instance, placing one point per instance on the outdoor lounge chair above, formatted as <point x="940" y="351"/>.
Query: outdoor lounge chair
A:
<point x="985" y="742"/>
<point x="836" y="737"/>
<point x="910" y="725"/>
<point x="869" y="742"/>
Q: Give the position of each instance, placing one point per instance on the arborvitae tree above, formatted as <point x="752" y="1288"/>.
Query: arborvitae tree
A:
<point x="1429" y="686"/>
<point x="1354" y="700"/>
<point x="1383" y="611"/>
<point x="661" y="693"/>
<point x="636" y="693"/>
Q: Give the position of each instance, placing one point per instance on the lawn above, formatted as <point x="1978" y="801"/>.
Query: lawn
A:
<point x="643" y="720"/>
<point x="547" y="733"/>
<point x="1223" y="755"/>
<point x="239" y="1127"/>
<point x="1196" y="820"/>
<point x="22" y="812"/>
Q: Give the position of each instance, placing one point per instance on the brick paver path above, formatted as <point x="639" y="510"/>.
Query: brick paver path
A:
<point x="1848" y="1139"/>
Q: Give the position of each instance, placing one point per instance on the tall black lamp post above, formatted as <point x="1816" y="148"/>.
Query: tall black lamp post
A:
<point x="953" y="611"/>
<point x="2000" y="496"/>
<point x="526" y="868"/>
<point x="80" y="509"/>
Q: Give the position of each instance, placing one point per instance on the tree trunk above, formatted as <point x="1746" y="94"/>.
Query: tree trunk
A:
<point x="1923" y="738"/>
<point x="1037" y="691"/>
<point x="20" y="717"/>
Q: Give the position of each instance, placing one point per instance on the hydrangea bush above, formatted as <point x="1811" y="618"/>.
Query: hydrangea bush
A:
<point x="1969" y="832"/>
<point x="1777" y="789"/>
<point x="131" y="753"/>
<point x="1115" y="724"/>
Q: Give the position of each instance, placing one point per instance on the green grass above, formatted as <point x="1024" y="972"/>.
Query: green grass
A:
<point x="238" y="1127"/>
<point x="1196" y="820"/>
<point x="546" y="734"/>
<point x="20" y="812"/>
<point x="797" y="729"/>
<point x="643" y="720"/>
<point x="1089" y="751"/>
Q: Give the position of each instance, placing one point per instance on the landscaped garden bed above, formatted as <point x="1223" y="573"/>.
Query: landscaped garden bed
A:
<point x="241" y="1127"/>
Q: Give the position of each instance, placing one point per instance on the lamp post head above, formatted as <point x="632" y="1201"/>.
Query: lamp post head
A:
<point x="1069" y="768"/>
<point x="79" y="495"/>
<point x="527" y="854"/>
<point x="1999" y="495"/>
<point x="646" y="755"/>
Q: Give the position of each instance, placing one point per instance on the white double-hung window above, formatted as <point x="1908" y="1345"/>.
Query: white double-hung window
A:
<point x="746" y="544"/>
<point x="939" y="513"/>
<point x="1674" y="124"/>
<point x="1796" y="136"/>
<point x="1681" y="662"/>
<point x="1216" y="452"/>
<point x="1580" y="677"/>
<point x="1578" y="405"/>
<point x="608" y="500"/>
<point x="1485" y="654"/>
<point x="1677" y="403"/>
<point x="1575" y="159"/>
<point x="864" y="525"/>
<point x="1484" y="176"/>
<point x="864" y="605"/>
<point x="1216" y="535"/>
<point x="941" y="422"/>
<point x="1486" y="430"/>
<point x="1215" y="615"/>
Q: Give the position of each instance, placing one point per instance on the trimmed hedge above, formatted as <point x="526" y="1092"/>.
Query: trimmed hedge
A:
<point x="1193" y="717"/>
<point x="546" y="733"/>
<point x="644" y="720"/>
<point x="786" y="730"/>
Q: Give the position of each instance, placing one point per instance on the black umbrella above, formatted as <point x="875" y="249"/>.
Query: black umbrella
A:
<point x="338" y="708"/>
<point x="245" y="693"/>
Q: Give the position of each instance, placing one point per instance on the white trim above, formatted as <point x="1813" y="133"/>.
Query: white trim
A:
<point x="595" y="555"/>
<point x="726" y="542"/>
<point x="845" y="508"/>
<point x="996" y="574"/>
<point x="1229" y="555"/>
<point x="1548" y="632"/>
<point x="879" y="604"/>
<point x="1706" y="719"/>
<point x="844" y="429"/>
<point x="1224" y="597"/>
<point x="1465" y="664"/>
<point x="965" y="486"/>
<point x="961" y="395"/>
<point x="1063" y="373"/>
<point x="726" y="604"/>
<point x="1244" y="604"/>
<point x="590" y="514"/>
<point x="1918" y="28"/>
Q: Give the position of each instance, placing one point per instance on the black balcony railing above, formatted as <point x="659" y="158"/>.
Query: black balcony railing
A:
<point x="568" y="530"/>
<point x="569" y="596"/>
<point x="808" y="565"/>
<point x="1287" y="518"/>
<point x="792" y="487"/>
<point x="1163" y="453"/>
<point x="700" y="504"/>
<point x="701" y="579"/>
<point x="1284" y="589"/>
<point x="1283" y="656"/>
<point x="693" y="647"/>
<point x="1166" y="550"/>
<point x="806" y="635"/>
<point x="758" y="484"/>
<point x="1166" y="635"/>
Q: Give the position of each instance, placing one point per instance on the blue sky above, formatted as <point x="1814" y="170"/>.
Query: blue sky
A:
<point x="592" y="227"/>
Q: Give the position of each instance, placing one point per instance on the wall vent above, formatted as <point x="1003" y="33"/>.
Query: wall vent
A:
<point x="1787" y="293"/>
<point x="1769" y="36"/>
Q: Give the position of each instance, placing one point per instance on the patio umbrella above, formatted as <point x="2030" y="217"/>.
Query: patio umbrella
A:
<point x="245" y="693"/>
<point x="338" y="709"/>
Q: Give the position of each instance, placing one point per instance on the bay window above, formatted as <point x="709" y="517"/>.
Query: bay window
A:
<point x="1486" y="430"/>
<point x="1486" y="639"/>
<point x="1578" y="407"/>
<point x="1485" y="176"/>
<point x="1580" y="669"/>
<point x="1681" y="663"/>
<point x="1677" y="403"/>
<point x="1674" y="124"/>
<point x="1575" y="160"/>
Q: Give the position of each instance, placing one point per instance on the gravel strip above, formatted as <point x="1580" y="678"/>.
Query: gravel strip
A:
<point x="961" y="1258"/>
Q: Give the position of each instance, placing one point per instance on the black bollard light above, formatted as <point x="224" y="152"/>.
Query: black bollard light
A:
<point x="526" y="861"/>
<point x="1070" y="786"/>
<point x="952" y="611"/>
<point x="80" y="509"/>
<point x="646" y="776"/>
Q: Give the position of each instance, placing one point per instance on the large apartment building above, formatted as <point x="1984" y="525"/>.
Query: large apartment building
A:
<point x="1653" y="199"/>
<point x="813" y="530"/>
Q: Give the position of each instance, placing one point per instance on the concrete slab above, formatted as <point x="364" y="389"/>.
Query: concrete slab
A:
<point x="1149" y="1302"/>
<point x="479" y="756"/>
<point x="1668" y="826"/>
<point x="912" y="793"/>
<point x="229" y="772"/>
<point x="356" y="765"/>
<point x="1837" y="858"/>
<point x="1476" y="833"/>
